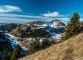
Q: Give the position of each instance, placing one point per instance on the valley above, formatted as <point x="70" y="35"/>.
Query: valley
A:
<point x="24" y="35"/>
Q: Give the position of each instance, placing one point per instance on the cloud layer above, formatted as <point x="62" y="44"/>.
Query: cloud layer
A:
<point x="9" y="8"/>
<point x="16" y="18"/>
<point x="51" y="14"/>
<point x="5" y="16"/>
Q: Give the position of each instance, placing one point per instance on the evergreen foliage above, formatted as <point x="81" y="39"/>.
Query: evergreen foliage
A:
<point x="7" y="52"/>
<point x="36" y="45"/>
<point x="5" y="49"/>
<point x="45" y="43"/>
<point x="16" y="54"/>
<point x="73" y="27"/>
<point x="34" y="33"/>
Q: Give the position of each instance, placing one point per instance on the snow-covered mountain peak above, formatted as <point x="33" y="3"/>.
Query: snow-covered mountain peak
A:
<point x="39" y="24"/>
<point x="52" y="29"/>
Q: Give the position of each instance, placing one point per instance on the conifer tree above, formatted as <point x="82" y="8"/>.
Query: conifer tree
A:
<point x="45" y="43"/>
<point x="4" y="57"/>
<point x="73" y="26"/>
<point x="35" y="46"/>
<point x="16" y="54"/>
<point x="32" y="48"/>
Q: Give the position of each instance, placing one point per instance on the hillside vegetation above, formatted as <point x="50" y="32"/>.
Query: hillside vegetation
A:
<point x="71" y="49"/>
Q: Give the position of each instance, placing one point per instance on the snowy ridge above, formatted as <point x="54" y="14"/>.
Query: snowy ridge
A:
<point x="55" y="28"/>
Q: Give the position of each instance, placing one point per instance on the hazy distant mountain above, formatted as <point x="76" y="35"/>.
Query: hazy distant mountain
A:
<point x="24" y="34"/>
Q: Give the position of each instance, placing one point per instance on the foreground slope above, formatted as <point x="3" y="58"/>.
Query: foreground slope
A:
<point x="71" y="49"/>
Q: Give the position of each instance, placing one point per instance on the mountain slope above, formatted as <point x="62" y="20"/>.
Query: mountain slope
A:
<point x="71" y="49"/>
<point x="8" y="27"/>
<point x="8" y="41"/>
<point x="39" y="29"/>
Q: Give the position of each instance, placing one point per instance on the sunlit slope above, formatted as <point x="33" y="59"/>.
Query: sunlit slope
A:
<point x="71" y="49"/>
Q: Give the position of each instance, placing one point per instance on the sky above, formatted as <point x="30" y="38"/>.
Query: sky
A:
<point x="23" y="11"/>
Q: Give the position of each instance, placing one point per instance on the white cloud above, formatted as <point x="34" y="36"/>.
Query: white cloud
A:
<point x="51" y="14"/>
<point x="9" y="8"/>
<point x="6" y="17"/>
<point x="23" y="18"/>
<point x="54" y="14"/>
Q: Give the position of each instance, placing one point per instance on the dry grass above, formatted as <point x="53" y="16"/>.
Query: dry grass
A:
<point x="16" y="31"/>
<point x="71" y="49"/>
<point x="25" y="42"/>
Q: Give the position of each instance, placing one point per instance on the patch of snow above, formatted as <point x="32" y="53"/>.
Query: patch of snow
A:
<point x="55" y="23"/>
<point x="14" y="41"/>
<point x="58" y="36"/>
<point x="24" y="48"/>
<point x="25" y="54"/>
<point x="45" y="25"/>
<point x="28" y="24"/>
<point x="31" y="27"/>
<point x="11" y="37"/>
<point x="13" y="45"/>
<point x="40" y="40"/>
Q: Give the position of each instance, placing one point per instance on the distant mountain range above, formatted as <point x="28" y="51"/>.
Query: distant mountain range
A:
<point x="40" y="29"/>
<point x="24" y="34"/>
<point x="52" y="29"/>
<point x="8" y="26"/>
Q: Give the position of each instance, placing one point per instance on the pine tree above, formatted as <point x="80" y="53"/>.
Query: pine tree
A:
<point x="45" y="43"/>
<point x="38" y="46"/>
<point x="6" y="48"/>
<point x="35" y="46"/>
<point x="4" y="57"/>
<point x="32" y="48"/>
<point x="73" y="26"/>
<point x="16" y="54"/>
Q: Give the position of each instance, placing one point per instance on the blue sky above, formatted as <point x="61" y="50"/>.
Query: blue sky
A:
<point x="22" y="11"/>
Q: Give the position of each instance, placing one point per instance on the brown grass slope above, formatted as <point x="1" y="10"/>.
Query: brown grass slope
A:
<point x="17" y="31"/>
<point x="71" y="49"/>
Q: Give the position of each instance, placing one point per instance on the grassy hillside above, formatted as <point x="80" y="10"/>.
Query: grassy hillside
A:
<point x="71" y="49"/>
